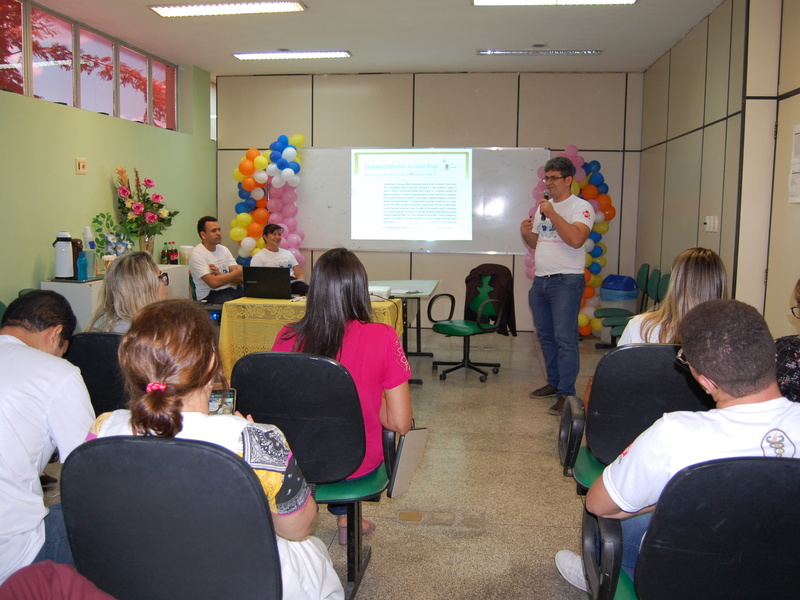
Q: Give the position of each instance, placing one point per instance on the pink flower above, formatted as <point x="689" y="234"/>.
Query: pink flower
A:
<point x="157" y="198"/>
<point x="123" y="191"/>
<point x="137" y="208"/>
<point x="148" y="183"/>
<point x="150" y="217"/>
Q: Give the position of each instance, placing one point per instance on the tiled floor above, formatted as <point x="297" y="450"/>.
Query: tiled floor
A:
<point x="495" y="507"/>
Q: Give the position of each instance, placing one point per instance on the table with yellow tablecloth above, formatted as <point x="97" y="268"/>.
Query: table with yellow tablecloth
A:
<point x="251" y="324"/>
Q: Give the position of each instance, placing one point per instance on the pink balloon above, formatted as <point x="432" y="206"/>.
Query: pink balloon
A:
<point x="540" y="172"/>
<point x="289" y="210"/>
<point x="276" y="192"/>
<point x="578" y="161"/>
<point x="284" y="243"/>
<point x="529" y="260"/>
<point x="293" y="240"/>
<point x="289" y="195"/>
<point x="301" y="260"/>
<point x="580" y="174"/>
<point x="571" y="150"/>
<point x="274" y="205"/>
<point x="275" y="219"/>
<point x="594" y="204"/>
<point x="290" y="224"/>
<point x="530" y="272"/>
<point x="300" y="234"/>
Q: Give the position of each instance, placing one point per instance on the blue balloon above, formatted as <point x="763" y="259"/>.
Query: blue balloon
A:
<point x="250" y="204"/>
<point x="294" y="166"/>
<point x="277" y="146"/>
<point x="596" y="178"/>
<point x="241" y="207"/>
<point x="245" y="262"/>
<point x="595" y="237"/>
<point x="596" y="252"/>
<point x="592" y="166"/>
<point x="283" y="140"/>
<point x="244" y="194"/>
<point x="274" y="156"/>
<point x="602" y="188"/>
<point x="595" y="268"/>
<point x="282" y="163"/>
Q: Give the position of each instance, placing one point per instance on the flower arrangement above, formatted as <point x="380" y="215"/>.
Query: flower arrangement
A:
<point x="109" y="237"/>
<point x="143" y="213"/>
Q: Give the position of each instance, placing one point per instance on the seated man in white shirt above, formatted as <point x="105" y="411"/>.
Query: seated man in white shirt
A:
<point x="730" y="352"/>
<point x="44" y="405"/>
<point x="214" y="271"/>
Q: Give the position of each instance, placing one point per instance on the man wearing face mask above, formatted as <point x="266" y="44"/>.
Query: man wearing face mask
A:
<point x="557" y="232"/>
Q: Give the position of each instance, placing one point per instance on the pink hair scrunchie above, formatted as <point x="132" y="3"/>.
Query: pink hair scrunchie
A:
<point x="155" y="385"/>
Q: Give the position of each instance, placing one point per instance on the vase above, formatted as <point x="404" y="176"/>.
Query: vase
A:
<point x="147" y="243"/>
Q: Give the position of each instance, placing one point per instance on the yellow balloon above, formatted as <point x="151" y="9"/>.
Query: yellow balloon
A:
<point x="260" y="162"/>
<point x="597" y="324"/>
<point x="244" y="219"/>
<point x="575" y="187"/>
<point x="583" y="320"/>
<point x="237" y="175"/>
<point x="601" y="228"/>
<point x="599" y="280"/>
<point x="603" y="247"/>
<point x="256" y="250"/>
<point x="602" y="261"/>
<point x="297" y="140"/>
<point x="238" y="234"/>
<point x="589" y="260"/>
<point x="260" y="243"/>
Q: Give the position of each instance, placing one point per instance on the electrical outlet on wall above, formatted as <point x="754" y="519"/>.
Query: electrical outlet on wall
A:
<point x="80" y="166"/>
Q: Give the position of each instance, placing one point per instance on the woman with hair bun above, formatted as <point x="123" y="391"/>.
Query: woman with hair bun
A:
<point x="170" y="361"/>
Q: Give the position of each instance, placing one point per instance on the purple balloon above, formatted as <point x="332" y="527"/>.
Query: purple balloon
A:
<point x="595" y="204"/>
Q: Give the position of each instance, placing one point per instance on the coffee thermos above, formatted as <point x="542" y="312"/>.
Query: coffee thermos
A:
<point x="67" y="252"/>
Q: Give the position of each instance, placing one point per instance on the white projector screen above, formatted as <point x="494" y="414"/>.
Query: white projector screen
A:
<point x="411" y="194"/>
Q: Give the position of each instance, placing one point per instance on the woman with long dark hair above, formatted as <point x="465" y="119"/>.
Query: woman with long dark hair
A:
<point x="337" y="324"/>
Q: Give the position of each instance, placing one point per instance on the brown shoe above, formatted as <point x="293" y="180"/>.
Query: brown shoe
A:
<point x="558" y="406"/>
<point x="544" y="392"/>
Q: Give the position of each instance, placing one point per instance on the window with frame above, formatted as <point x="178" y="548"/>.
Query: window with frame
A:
<point x="11" y="71"/>
<point x="164" y="85"/>
<point x="51" y="71"/>
<point x="97" y="72"/>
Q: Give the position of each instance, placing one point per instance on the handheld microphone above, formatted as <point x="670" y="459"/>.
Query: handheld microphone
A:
<point x="546" y="198"/>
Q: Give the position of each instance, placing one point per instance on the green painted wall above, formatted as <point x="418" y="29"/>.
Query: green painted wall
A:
<point x="40" y="193"/>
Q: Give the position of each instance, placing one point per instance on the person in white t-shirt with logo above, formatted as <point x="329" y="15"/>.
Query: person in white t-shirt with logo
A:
<point x="272" y="255"/>
<point x="215" y="273"/>
<point x="557" y="232"/>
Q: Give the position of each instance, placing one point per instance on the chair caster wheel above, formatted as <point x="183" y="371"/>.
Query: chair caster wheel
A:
<point x="435" y="368"/>
<point x="483" y="378"/>
<point x="495" y="370"/>
<point x="442" y="376"/>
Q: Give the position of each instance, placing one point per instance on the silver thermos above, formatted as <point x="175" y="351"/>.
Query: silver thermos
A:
<point x="64" y="263"/>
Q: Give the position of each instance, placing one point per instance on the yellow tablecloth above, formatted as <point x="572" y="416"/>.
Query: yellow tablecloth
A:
<point x="251" y="324"/>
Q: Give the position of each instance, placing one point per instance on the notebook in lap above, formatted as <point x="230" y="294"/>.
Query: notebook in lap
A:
<point x="410" y="450"/>
<point x="267" y="282"/>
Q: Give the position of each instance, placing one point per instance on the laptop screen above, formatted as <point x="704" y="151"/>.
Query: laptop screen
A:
<point x="267" y="282"/>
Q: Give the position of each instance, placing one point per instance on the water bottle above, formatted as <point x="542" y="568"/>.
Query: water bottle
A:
<point x="83" y="267"/>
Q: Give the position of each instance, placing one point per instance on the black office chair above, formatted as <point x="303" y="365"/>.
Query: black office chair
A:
<point x="721" y="529"/>
<point x="95" y="353"/>
<point x="314" y="401"/>
<point x="486" y="311"/>
<point x="633" y="386"/>
<point x="169" y="519"/>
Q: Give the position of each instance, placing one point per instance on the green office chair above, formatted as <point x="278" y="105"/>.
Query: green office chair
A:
<point x="489" y="314"/>
<point x="617" y="318"/>
<point x="2" y="309"/>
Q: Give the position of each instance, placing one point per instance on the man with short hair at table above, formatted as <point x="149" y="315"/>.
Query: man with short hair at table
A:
<point x="730" y="352"/>
<point x="44" y="405"/>
<point x="214" y="271"/>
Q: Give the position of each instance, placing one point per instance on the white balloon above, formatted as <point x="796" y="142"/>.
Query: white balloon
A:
<point x="272" y="169"/>
<point x="293" y="179"/>
<point x="257" y="193"/>
<point x="287" y="172"/>
<point x="599" y="217"/>
<point x="260" y="176"/>
<point x="588" y="311"/>
<point x="278" y="181"/>
<point x="588" y="246"/>
<point x="594" y="301"/>
<point x="243" y="253"/>
<point x="289" y="153"/>
<point x="247" y="244"/>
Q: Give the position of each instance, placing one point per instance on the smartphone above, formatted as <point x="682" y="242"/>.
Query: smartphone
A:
<point x="222" y="402"/>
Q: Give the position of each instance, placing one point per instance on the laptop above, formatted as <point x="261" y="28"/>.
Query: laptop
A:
<point x="267" y="282"/>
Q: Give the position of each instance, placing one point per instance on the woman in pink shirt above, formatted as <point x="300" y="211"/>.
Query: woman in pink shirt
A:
<point x="337" y="324"/>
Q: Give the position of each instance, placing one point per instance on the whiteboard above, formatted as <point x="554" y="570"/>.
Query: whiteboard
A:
<point x="502" y="187"/>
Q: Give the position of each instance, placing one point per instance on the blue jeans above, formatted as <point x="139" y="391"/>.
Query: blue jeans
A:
<point x="633" y="531"/>
<point x="556" y="302"/>
<point x="56" y="544"/>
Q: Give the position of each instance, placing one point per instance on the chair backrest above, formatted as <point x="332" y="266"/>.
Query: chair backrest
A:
<point x="641" y="283"/>
<point x="481" y="297"/>
<point x="163" y="518"/>
<point x="663" y="286"/>
<point x="313" y="400"/>
<point x="95" y="353"/>
<point x="724" y="529"/>
<point x="652" y="285"/>
<point x="2" y="309"/>
<point x="632" y="387"/>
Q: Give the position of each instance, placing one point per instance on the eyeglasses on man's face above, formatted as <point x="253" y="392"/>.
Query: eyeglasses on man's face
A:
<point x="551" y="179"/>
<point x="164" y="277"/>
<point x="796" y="312"/>
<point x="682" y="357"/>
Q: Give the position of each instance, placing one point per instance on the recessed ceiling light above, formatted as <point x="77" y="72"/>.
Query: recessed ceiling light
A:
<point x="238" y="8"/>
<point x="546" y="2"/>
<point x="526" y="52"/>
<point x="291" y="55"/>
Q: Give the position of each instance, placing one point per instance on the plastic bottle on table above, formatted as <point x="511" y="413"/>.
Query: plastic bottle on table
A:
<point x="83" y="267"/>
<point x="165" y="254"/>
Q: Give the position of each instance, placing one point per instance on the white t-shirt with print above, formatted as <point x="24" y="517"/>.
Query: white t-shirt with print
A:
<point x="553" y="255"/>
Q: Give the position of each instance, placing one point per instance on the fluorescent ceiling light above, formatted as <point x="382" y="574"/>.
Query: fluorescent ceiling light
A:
<point x="238" y="8"/>
<point x="291" y="55"/>
<point x="547" y="2"/>
<point x="537" y="52"/>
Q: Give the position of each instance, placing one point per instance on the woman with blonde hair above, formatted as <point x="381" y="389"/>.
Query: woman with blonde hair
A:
<point x="170" y="361"/>
<point x="132" y="281"/>
<point x="698" y="275"/>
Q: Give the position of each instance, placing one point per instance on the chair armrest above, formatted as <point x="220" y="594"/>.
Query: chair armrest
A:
<point x="570" y="433"/>
<point x="389" y="450"/>
<point x="479" y="319"/>
<point x="433" y="300"/>
<point x="602" y="555"/>
<point x="604" y="312"/>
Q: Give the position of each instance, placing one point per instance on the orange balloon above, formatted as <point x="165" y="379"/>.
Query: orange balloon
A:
<point x="252" y="153"/>
<point x="587" y="276"/>
<point x="248" y="184"/>
<point x="588" y="192"/>
<point x="260" y="216"/>
<point x="262" y="203"/>
<point x="610" y="213"/>
<point x="255" y="230"/>
<point x="604" y="200"/>
<point x="585" y="331"/>
<point x="246" y="167"/>
<point x="583" y="303"/>
<point x="588" y="292"/>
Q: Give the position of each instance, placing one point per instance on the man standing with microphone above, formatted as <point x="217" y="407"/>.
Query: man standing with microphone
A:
<point x="557" y="232"/>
